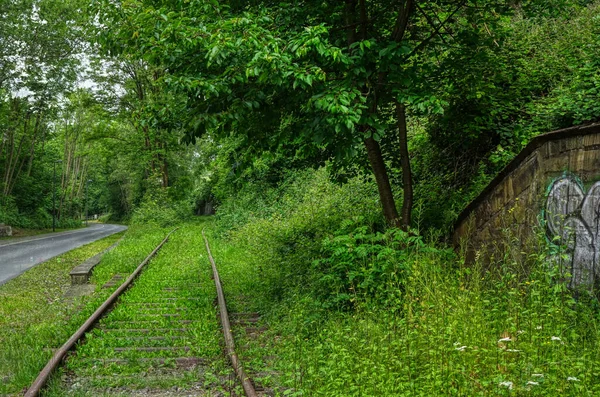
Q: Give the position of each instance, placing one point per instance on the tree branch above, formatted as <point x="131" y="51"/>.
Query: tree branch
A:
<point x="429" y="21"/>
<point x="402" y="20"/>
<point x="436" y="31"/>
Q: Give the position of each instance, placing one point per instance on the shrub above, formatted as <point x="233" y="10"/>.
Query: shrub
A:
<point x="282" y="228"/>
<point x="39" y="219"/>
<point x="360" y="266"/>
<point x="157" y="209"/>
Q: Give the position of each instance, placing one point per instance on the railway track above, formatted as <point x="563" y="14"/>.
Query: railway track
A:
<point x="155" y="335"/>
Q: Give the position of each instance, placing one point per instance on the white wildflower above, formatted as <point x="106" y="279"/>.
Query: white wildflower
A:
<point x="513" y="350"/>
<point x="507" y="339"/>
<point x="538" y="327"/>
<point x="532" y="383"/>
<point x="506" y="383"/>
<point x="461" y="349"/>
<point x="537" y="375"/>
<point x="572" y="379"/>
<point x="555" y="338"/>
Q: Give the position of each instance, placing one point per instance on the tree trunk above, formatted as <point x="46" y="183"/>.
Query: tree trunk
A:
<point x="373" y="149"/>
<point x="33" y="142"/>
<point x="383" y="182"/>
<point x="349" y="18"/>
<point x="9" y="158"/>
<point x="164" y="167"/>
<point x="12" y="166"/>
<point x="407" y="185"/>
<point x="4" y="139"/>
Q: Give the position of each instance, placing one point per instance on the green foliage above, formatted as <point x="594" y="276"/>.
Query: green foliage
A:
<point x="356" y="264"/>
<point x="282" y="228"/>
<point x="537" y="74"/>
<point x="451" y="330"/>
<point x="574" y="100"/>
<point x="39" y="219"/>
<point x="316" y="80"/>
<point x="159" y="210"/>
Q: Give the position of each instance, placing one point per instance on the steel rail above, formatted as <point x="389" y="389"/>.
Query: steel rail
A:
<point x="229" y="342"/>
<point x="60" y="354"/>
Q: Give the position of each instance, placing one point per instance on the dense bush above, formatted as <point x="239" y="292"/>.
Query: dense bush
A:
<point x="40" y="218"/>
<point x="158" y="209"/>
<point x="282" y="228"/>
<point x="358" y="265"/>
<point x="540" y="74"/>
<point x="418" y="321"/>
<point x="454" y="333"/>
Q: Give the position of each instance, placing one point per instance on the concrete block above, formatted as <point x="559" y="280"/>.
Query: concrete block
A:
<point x="524" y="176"/>
<point x="556" y="164"/>
<point x="81" y="274"/>
<point x="574" y="143"/>
<point x="553" y="148"/>
<point x="482" y="214"/>
<point x="5" y="231"/>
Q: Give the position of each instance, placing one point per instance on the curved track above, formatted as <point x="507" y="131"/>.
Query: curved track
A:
<point x="160" y="335"/>
<point x="60" y="354"/>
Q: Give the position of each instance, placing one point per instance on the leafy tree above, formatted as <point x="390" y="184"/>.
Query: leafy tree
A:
<point x="535" y="77"/>
<point x="39" y="46"/>
<point x="316" y="74"/>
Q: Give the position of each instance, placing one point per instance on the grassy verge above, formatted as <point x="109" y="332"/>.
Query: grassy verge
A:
<point x="19" y="232"/>
<point x="451" y="332"/>
<point x="35" y="315"/>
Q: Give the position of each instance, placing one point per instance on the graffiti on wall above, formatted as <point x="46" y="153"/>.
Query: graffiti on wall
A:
<point x="573" y="220"/>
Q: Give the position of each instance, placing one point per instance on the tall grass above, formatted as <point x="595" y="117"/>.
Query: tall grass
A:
<point x="451" y="332"/>
<point x="415" y="320"/>
<point x="456" y="334"/>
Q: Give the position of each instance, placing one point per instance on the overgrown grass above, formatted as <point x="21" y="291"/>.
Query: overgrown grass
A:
<point x="286" y="231"/>
<point x="354" y="310"/>
<point x="451" y="332"/>
<point x="359" y="312"/>
<point x="180" y="270"/>
<point x="35" y="314"/>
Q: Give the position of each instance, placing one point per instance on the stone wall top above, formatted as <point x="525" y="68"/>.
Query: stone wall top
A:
<point x="531" y="147"/>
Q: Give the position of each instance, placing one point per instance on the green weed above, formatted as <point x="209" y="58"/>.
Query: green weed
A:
<point x="35" y="315"/>
<point x="115" y="358"/>
<point x="359" y="312"/>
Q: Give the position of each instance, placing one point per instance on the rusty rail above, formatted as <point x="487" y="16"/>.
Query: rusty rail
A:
<point x="229" y="343"/>
<point x="60" y="354"/>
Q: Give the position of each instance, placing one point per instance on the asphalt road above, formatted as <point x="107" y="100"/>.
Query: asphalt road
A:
<point x="20" y="254"/>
